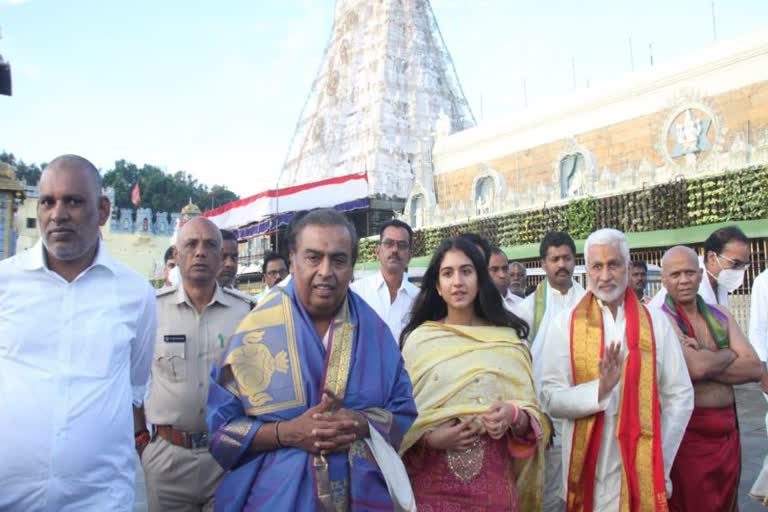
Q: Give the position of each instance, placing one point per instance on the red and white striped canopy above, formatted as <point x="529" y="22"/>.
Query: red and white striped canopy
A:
<point x="325" y="193"/>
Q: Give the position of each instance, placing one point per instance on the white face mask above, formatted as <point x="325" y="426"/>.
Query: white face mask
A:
<point x="730" y="278"/>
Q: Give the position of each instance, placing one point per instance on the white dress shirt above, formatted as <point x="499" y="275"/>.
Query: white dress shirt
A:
<point x="705" y="290"/>
<point x="758" y="316"/>
<point x="73" y="356"/>
<point x="564" y="400"/>
<point x="373" y="289"/>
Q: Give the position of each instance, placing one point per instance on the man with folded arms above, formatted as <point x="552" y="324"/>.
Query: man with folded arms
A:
<point x="705" y="475"/>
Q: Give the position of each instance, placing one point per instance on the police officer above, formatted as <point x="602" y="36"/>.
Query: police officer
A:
<point x="195" y="319"/>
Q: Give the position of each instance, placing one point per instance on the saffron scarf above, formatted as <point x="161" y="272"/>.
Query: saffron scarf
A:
<point x="639" y="424"/>
<point x="716" y="321"/>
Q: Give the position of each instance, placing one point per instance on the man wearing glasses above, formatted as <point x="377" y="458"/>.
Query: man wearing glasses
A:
<point x="275" y="269"/>
<point x="388" y="291"/>
<point x="726" y="257"/>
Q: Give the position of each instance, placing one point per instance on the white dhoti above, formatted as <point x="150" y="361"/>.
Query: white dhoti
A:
<point x="760" y="487"/>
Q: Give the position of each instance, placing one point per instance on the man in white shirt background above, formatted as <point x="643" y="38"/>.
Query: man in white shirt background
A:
<point x="518" y="278"/>
<point x="557" y="293"/>
<point x="498" y="268"/>
<point x="726" y="257"/>
<point x="274" y="269"/>
<point x="76" y="335"/>
<point x="388" y="291"/>
<point x="585" y="383"/>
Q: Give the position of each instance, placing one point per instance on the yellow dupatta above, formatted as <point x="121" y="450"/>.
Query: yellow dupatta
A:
<point x="442" y="359"/>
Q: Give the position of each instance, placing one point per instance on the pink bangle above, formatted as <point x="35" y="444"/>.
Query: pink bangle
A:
<point x="517" y="413"/>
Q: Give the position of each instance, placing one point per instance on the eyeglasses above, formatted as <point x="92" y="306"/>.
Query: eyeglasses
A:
<point x="276" y="273"/>
<point x="388" y="243"/>
<point x="737" y="264"/>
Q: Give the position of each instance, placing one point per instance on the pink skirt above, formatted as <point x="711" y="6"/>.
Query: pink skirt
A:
<point x="478" y="480"/>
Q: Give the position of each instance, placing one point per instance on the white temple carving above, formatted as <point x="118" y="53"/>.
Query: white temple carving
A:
<point x="385" y="84"/>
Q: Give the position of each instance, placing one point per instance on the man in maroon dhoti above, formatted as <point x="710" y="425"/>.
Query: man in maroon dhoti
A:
<point x="705" y="474"/>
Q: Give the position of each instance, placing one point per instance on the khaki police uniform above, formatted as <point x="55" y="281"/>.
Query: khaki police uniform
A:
<point x="179" y="471"/>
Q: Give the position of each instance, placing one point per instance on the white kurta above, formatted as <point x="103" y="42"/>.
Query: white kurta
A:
<point x="706" y="291"/>
<point x="758" y="316"/>
<point x="511" y="301"/>
<point x="557" y="303"/>
<point x="758" y="336"/>
<point x="569" y="402"/>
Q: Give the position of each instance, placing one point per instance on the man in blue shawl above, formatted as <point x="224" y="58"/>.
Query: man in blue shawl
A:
<point x="309" y="401"/>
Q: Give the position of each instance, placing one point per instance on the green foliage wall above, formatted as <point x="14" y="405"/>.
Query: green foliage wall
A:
<point x="735" y="195"/>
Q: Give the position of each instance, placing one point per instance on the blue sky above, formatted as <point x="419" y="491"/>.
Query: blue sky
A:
<point x="215" y="88"/>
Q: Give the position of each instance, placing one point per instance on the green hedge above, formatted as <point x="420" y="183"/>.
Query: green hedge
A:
<point x="681" y="203"/>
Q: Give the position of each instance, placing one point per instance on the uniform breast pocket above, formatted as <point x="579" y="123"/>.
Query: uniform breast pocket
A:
<point x="169" y="361"/>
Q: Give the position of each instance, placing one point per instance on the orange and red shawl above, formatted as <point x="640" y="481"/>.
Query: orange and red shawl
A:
<point x="639" y="424"/>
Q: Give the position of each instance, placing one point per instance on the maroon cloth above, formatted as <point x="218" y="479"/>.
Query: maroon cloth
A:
<point x="705" y="475"/>
<point x="437" y="489"/>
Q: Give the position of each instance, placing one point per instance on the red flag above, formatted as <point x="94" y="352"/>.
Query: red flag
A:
<point x="136" y="195"/>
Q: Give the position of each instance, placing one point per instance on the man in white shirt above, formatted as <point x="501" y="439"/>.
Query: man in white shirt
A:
<point x="518" y="279"/>
<point x="758" y="337"/>
<point x="498" y="268"/>
<point x="274" y="269"/>
<point x="726" y="257"/>
<point x="558" y="292"/>
<point x="598" y="376"/>
<point x="388" y="291"/>
<point x="76" y="337"/>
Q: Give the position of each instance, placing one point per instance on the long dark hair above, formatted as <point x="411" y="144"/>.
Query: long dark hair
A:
<point x="488" y="303"/>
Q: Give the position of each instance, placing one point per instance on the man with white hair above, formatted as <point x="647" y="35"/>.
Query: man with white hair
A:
<point x="616" y="375"/>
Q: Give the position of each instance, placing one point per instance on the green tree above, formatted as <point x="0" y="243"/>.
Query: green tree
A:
<point x="162" y="191"/>
<point x="29" y="173"/>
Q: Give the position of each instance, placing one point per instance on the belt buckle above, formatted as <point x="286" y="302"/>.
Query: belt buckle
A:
<point x="198" y="440"/>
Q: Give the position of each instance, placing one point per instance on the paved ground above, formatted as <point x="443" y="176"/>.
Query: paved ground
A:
<point x="752" y="408"/>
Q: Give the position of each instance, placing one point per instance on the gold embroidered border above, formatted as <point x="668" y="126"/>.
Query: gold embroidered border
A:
<point x="586" y="345"/>
<point x="337" y="372"/>
<point x="336" y="377"/>
<point x="279" y="315"/>
<point x="644" y="455"/>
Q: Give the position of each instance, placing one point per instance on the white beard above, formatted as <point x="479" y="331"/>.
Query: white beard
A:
<point x="612" y="296"/>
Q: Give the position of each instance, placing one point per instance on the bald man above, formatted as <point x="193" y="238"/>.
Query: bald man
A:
<point x="76" y="335"/>
<point x="195" y="319"/>
<point x="705" y="474"/>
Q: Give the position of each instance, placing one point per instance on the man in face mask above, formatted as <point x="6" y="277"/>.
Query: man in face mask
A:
<point x="726" y="257"/>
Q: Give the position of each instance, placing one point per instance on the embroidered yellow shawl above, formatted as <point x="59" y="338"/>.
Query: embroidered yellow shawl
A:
<point x="442" y="359"/>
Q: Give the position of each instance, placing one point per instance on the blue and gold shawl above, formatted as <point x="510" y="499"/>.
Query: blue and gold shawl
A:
<point x="274" y="368"/>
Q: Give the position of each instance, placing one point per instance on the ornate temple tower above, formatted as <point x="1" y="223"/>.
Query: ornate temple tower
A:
<point x="385" y="81"/>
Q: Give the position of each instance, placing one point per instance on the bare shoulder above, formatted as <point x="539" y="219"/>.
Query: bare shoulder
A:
<point x="723" y="310"/>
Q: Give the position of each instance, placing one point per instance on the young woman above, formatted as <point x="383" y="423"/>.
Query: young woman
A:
<point x="479" y="440"/>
